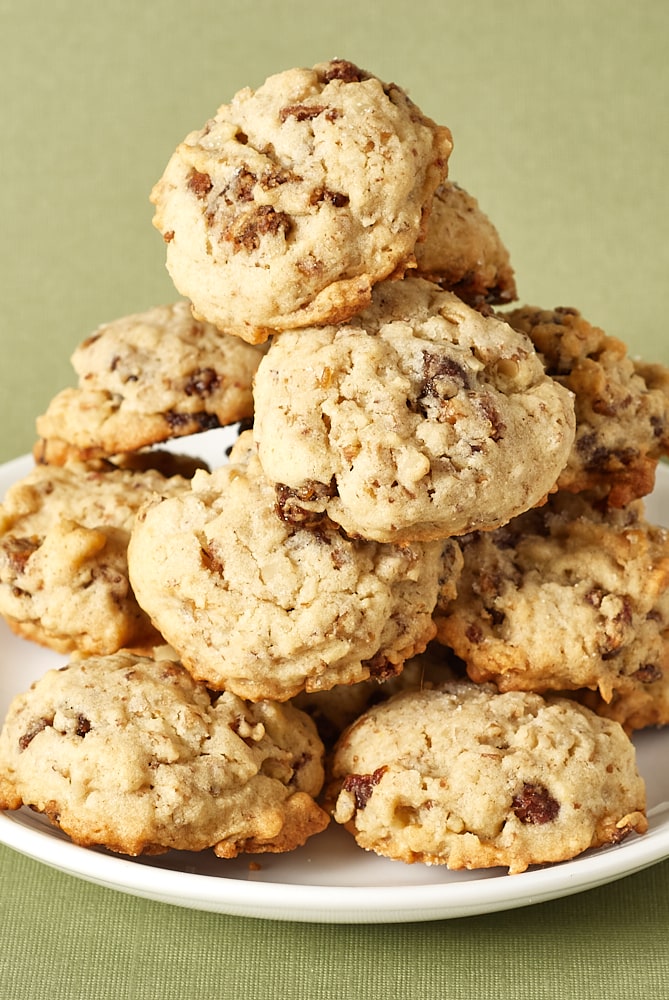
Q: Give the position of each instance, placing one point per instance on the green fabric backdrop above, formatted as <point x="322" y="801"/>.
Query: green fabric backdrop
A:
<point x="558" y="110"/>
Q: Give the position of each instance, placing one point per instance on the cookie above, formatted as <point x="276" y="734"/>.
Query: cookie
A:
<point x="642" y="703"/>
<point x="463" y="251"/>
<point x="564" y="597"/>
<point x="335" y="709"/>
<point x="144" y="379"/>
<point x="64" y="534"/>
<point x="463" y="776"/>
<point x="132" y="754"/>
<point x="622" y="405"/>
<point x="288" y="206"/>
<point x="418" y="419"/>
<point x="266" y="608"/>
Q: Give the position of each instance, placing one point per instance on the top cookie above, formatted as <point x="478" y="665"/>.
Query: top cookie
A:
<point x="296" y="198"/>
<point x="418" y="419"/>
<point x="144" y="379"/>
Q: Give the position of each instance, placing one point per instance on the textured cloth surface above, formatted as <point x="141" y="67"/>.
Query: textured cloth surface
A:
<point x="66" y="939"/>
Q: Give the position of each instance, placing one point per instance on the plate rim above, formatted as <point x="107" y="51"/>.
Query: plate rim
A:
<point x="338" y="904"/>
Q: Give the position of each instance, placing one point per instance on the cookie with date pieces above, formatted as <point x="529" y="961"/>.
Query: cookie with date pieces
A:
<point x="268" y="607"/>
<point x="463" y="776"/>
<point x="145" y="379"/>
<point x="570" y="595"/>
<point x="297" y="197"/>
<point x="418" y="419"/>
<point x="621" y="403"/>
<point x="64" y="534"/>
<point x="132" y="754"/>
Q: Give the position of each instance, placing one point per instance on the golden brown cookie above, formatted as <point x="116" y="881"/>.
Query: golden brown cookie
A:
<point x="132" y="754"/>
<point x="64" y="534"/>
<point x="296" y="198"/>
<point x="335" y="709"/>
<point x="144" y="379"/>
<point x="464" y="776"/>
<point x="418" y="419"/>
<point x="463" y="251"/>
<point x="566" y="596"/>
<point x="641" y="703"/>
<point x="622" y="405"/>
<point x="267" y="607"/>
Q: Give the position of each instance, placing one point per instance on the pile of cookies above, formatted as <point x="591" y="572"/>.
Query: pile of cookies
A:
<point x="418" y="596"/>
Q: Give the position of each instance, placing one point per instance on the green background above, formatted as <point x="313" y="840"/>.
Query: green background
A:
<point x="558" y="110"/>
<point x="559" y="114"/>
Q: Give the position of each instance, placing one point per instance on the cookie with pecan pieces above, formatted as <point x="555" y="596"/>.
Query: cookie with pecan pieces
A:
<point x="622" y="404"/>
<point x="463" y="251"/>
<point x="268" y="607"/>
<point x="64" y="534"/>
<point x="338" y="707"/>
<point x="642" y="703"/>
<point x="144" y="379"/>
<point x="288" y="206"/>
<point x="464" y="776"/>
<point x="418" y="419"/>
<point x="132" y="754"/>
<point x="566" y="596"/>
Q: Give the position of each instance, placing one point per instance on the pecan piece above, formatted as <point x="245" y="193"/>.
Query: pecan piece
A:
<point x="240" y="188"/>
<point x="347" y="72"/>
<point x="246" y="231"/>
<point x="301" y="112"/>
<point x="200" y="184"/>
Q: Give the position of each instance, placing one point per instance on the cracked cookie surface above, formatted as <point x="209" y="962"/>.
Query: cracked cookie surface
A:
<point x="463" y="776"/>
<point x="132" y="754"/>
<point x="144" y="379"/>
<point x="419" y="418"/>
<point x="297" y="197"/>
<point x="267" y="608"/>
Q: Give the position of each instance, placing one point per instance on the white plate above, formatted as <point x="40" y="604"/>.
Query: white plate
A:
<point x="330" y="879"/>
